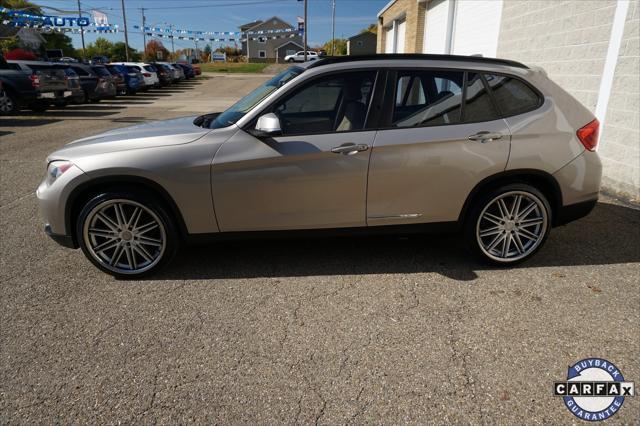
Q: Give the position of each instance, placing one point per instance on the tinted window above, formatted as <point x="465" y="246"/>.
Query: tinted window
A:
<point x="149" y="68"/>
<point x="512" y="95"/>
<point x="101" y="71"/>
<point x="80" y="71"/>
<point x="334" y="103"/>
<point x="428" y="98"/>
<point x="477" y="102"/>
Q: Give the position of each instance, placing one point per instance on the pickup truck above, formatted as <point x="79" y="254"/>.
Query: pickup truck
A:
<point x="28" y="88"/>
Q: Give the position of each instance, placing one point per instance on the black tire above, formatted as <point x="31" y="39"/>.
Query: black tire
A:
<point x="510" y="228"/>
<point x="290" y="60"/>
<point x="8" y="103"/>
<point x="166" y="232"/>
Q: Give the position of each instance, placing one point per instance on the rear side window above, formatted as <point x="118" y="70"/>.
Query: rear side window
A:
<point x="80" y="71"/>
<point x="149" y="68"/>
<point x="512" y="95"/>
<point x="428" y="98"/>
<point x="101" y="71"/>
<point x="477" y="102"/>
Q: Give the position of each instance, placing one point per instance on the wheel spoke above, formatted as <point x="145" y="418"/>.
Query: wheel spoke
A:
<point x="135" y="216"/>
<point x="530" y="222"/>
<point x="130" y="258"/>
<point x="102" y="233"/>
<point x="143" y="252"/>
<point x="106" y="245"/>
<point x="120" y="217"/>
<point x="527" y="234"/>
<point x="107" y="221"/>
<point x="504" y="211"/>
<point x="146" y="228"/>
<point x="116" y="255"/>
<point x="149" y="241"/>
<point x="495" y="242"/>
<point x="490" y="231"/>
<point x="506" y="245"/>
<point x="518" y="242"/>
<point x="516" y="206"/>
<point x="492" y="218"/>
<point x="528" y="210"/>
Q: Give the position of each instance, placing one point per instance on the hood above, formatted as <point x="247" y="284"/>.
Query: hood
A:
<point x="157" y="133"/>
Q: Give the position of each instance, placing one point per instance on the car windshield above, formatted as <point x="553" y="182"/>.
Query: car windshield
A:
<point x="246" y="104"/>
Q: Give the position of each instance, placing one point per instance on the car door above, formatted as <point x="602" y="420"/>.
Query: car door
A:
<point x="443" y="135"/>
<point x="313" y="175"/>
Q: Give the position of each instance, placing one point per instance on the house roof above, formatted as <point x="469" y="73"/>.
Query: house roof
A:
<point x="364" y="34"/>
<point x="248" y="25"/>
<point x="289" y="42"/>
<point x="265" y="23"/>
<point x="386" y="6"/>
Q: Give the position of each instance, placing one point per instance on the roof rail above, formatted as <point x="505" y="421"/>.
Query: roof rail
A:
<point x="399" y="56"/>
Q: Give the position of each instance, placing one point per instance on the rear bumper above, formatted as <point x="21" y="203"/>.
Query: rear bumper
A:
<point x="574" y="211"/>
<point x="63" y="240"/>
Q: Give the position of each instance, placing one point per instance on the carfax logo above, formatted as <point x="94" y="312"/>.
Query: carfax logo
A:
<point x="595" y="389"/>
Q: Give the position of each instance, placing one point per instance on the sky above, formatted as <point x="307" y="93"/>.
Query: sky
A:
<point x="222" y="15"/>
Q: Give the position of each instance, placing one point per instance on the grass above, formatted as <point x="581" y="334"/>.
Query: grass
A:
<point x="233" y="67"/>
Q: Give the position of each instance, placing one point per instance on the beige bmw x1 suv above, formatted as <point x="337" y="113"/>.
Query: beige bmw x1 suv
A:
<point x="396" y="143"/>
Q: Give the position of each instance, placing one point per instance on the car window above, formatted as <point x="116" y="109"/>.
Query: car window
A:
<point x="334" y="103"/>
<point x="428" y="98"/>
<point x="512" y="95"/>
<point x="477" y="102"/>
<point x="80" y="71"/>
<point x="101" y="71"/>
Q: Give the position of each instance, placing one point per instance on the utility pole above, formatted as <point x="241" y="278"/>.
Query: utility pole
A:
<point x="81" y="32"/>
<point x="333" y="28"/>
<point x="144" y="31"/>
<point x="126" y="34"/>
<point x="306" y="30"/>
<point x="173" y="49"/>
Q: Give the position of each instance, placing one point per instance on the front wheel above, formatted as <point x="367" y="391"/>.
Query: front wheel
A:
<point x="127" y="235"/>
<point x="8" y="103"/>
<point x="290" y="60"/>
<point x="508" y="225"/>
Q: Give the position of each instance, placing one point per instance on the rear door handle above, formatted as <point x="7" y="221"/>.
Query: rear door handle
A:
<point x="485" y="136"/>
<point x="349" y="148"/>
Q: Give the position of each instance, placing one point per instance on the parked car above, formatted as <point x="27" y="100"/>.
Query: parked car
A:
<point x="132" y="77"/>
<point x="106" y="83"/>
<point x="489" y="147"/>
<point x="88" y="81"/>
<point x="197" y="69"/>
<point x="181" y="74"/>
<point x="119" y="79"/>
<point x="175" y="74"/>
<point x="187" y="69"/>
<point x="21" y="89"/>
<point x="299" y="56"/>
<point x="150" y="77"/>
<point x="73" y="84"/>
<point x="165" y="74"/>
<point x="50" y="79"/>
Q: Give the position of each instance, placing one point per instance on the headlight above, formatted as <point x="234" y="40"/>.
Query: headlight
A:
<point x="56" y="169"/>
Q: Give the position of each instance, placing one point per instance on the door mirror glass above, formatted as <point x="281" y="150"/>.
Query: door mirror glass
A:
<point x="268" y="125"/>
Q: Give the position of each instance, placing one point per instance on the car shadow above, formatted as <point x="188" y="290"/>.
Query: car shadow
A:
<point x="609" y="235"/>
<point x="26" y="121"/>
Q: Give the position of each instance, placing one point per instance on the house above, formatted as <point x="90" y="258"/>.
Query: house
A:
<point x="287" y="48"/>
<point x="362" y="44"/>
<point x="588" y="48"/>
<point x="266" y="47"/>
<point x="27" y="37"/>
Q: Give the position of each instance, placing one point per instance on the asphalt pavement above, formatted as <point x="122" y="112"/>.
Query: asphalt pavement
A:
<point x="375" y="330"/>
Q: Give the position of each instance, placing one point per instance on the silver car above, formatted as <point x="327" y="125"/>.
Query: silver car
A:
<point x="403" y="143"/>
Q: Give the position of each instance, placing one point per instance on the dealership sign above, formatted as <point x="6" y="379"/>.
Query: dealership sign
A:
<point x="18" y="18"/>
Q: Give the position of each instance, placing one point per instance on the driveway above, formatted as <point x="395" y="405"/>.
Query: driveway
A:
<point x="330" y="331"/>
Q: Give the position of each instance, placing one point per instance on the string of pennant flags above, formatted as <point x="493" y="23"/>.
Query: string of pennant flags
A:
<point x="232" y="33"/>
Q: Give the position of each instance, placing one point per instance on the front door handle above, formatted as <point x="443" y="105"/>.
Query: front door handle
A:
<point x="485" y="136"/>
<point x="349" y="148"/>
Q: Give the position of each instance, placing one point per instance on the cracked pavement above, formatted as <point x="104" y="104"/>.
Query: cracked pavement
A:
<point x="327" y="331"/>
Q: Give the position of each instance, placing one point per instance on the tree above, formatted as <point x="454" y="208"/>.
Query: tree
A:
<point x="59" y="41"/>
<point x="101" y="47"/>
<point x="21" y="5"/>
<point x="373" y="28"/>
<point x="156" y="51"/>
<point x="341" y="47"/>
<point x="118" y="53"/>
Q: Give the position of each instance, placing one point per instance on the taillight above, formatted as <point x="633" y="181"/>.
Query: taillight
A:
<point x="588" y="135"/>
<point x="146" y="74"/>
<point x="35" y="80"/>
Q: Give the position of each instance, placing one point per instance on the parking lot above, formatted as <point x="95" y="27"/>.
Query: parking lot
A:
<point x="328" y="331"/>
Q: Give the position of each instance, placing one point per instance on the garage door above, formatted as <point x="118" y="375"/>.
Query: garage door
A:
<point x="388" y="40"/>
<point x="477" y="25"/>
<point x="401" y="28"/>
<point x="435" y="27"/>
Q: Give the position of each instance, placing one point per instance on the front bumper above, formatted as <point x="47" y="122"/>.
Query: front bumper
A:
<point x="63" y="240"/>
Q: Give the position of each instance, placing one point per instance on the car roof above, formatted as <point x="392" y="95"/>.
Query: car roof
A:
<point x="395" y="59"/>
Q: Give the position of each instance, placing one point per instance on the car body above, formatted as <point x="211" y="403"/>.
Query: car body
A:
<point x="385" y="143"/>
<point x="150" y="77"/>
<point x="51" y="82"/>
<point x="189" y="72"/>
<point x="165" y="73"/>
<point x="107" y="85"/>
<point x="21" y="89"/>
<point x="196" y="69"/>
<point x="73" y="84"/>
<point x="181" y="72"/>
<point x="132" y="77"/>
<point x="89" y="82"/>
<point x="299" y="56"/>
<point x="174" y="70"/>
<point x="119" y="79"/>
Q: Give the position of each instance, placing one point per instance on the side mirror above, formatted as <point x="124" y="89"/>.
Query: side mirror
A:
<point x="268" y="125"/>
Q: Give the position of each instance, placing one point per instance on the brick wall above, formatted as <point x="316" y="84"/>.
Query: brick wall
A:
<point x="570" y="39"/>
<point x="414" y="13"/>
<point x="620" y="143"/>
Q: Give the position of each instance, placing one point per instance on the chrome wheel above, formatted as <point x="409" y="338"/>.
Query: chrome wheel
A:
<point x="124" y="236"/>
<point x="6" y="103"/>
<point x="511" y="226"/>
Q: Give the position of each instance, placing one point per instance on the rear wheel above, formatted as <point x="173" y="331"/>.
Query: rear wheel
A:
<point x="508" y="225"/>
<point x="127" y="235"/>
<point x="8" y="103"/>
